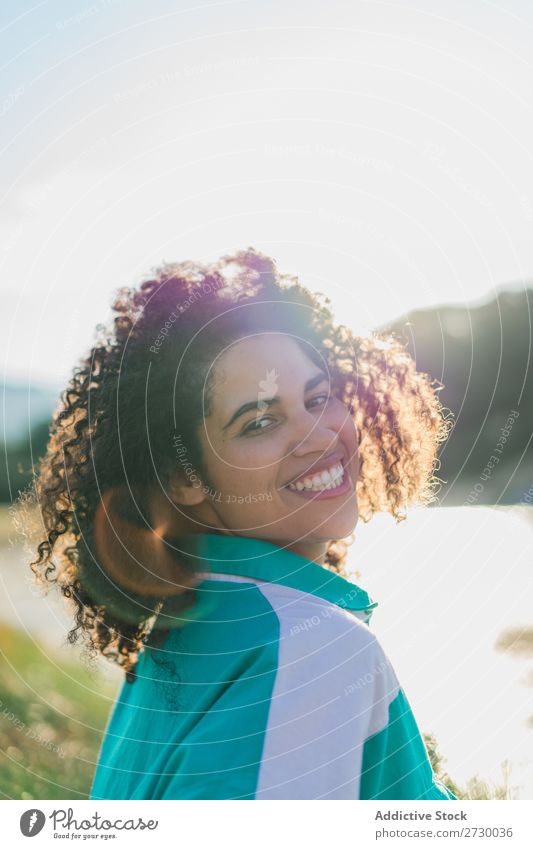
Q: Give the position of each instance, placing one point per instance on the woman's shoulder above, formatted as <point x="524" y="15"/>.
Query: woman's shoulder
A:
<point x="299" y="612"/>
<point x="276" y="625"/>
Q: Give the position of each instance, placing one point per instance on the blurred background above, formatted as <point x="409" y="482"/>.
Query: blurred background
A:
<point x="379" y="150"/>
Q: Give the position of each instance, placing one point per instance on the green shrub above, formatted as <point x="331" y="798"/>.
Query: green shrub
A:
<point x="52" y="716"/>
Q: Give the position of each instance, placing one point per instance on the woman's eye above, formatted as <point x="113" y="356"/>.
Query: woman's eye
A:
<point x="262" y="423"/>
<point x="255" y="426"/>
<point x="320" y="399"/>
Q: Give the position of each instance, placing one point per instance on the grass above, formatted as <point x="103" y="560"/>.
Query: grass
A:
<point x="476" y="787"/>
<point x="52" y="716"/>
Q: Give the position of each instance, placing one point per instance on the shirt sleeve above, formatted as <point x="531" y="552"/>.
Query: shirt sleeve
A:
<point x="287" y="718"/>
<point x="340" y="725"/>
<point x="395" y="759"/>
<point x="315" y="712"/>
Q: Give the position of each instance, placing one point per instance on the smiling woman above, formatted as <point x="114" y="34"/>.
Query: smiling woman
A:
<point x="297" y="442"/>
<point x="198" y="493"/>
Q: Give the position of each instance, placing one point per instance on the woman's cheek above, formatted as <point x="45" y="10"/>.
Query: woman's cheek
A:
<point x="239" y="476"/>
<point x="256" y="482"/>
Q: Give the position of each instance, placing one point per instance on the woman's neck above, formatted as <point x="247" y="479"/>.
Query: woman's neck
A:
<point x="311" y="551"/>
<point x="315" y="551"/>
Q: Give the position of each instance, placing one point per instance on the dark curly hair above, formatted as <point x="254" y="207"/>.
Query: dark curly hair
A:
<point x="143" y="381"/>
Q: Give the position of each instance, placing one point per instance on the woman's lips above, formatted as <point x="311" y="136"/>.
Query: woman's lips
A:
<point x="344" y="487"/>
<point x="336" y="458"/>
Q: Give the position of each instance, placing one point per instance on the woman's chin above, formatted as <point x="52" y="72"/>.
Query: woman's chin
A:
<point x="338" y="527"/>
<point x="344" y="524"/>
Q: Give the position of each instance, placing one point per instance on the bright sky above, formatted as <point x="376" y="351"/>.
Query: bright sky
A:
<point x="381" y="150"/>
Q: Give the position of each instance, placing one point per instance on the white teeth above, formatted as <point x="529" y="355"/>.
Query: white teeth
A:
<point x="328" y="479"/>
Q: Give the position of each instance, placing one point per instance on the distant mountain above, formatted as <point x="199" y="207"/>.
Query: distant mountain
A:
<point x="26" y="415"/>
<point x="483" y="355"/>
<point x="23" y="407"/>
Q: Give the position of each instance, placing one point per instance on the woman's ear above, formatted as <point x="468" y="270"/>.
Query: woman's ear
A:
<point x="131" y="548"/>
<point x="187" y="493"/>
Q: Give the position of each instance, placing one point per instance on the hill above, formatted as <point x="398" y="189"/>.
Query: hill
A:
<point x="482" y="355"/>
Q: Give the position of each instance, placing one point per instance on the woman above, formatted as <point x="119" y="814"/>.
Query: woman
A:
<point x="208" y="464"/>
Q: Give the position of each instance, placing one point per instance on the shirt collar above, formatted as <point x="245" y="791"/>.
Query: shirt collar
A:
<point x="264" y="560"/>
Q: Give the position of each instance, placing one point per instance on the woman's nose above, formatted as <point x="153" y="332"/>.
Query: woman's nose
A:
<point x="311" y="433"/>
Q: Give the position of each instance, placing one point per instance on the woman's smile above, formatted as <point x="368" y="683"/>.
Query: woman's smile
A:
<point x="328" y="489"/>
<point x="327" y="479"/>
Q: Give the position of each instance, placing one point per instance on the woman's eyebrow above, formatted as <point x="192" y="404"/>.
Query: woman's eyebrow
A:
<point x="268" y="402"/>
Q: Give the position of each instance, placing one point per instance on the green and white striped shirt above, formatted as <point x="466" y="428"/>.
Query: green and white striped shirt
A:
<point x="274" y="688"/>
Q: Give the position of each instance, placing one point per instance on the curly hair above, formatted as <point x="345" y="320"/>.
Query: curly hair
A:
<point x="145" y="378"/>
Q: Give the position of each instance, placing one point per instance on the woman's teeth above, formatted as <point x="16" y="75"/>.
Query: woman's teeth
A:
<point x="328" y="479"/>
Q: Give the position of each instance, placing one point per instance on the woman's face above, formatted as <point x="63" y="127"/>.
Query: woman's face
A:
<point x="280" y="451"/>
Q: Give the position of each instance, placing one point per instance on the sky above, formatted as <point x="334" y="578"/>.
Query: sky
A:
<point x="379" y="150"/>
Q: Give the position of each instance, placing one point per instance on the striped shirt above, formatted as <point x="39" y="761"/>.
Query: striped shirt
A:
<point x="273" y="687"/>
